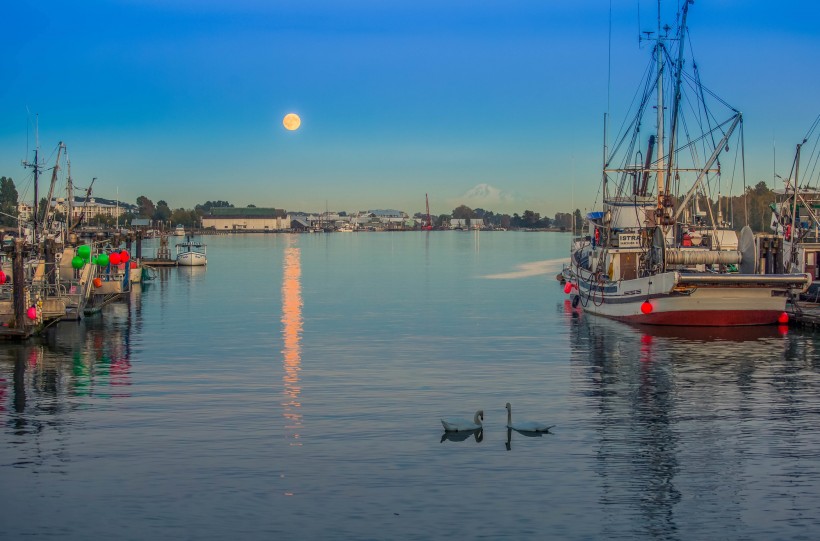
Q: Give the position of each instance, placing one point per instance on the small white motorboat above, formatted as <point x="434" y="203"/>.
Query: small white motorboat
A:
<point x="191" y="254"/>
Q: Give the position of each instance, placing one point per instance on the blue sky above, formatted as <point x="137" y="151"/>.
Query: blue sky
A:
<point x="494" y="104"/>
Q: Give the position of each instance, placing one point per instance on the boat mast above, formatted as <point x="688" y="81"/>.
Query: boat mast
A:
<point x="54" y="172"/>
<point x="660" y="130"/>
<point x="36" y="183"/>
<point x="673" y="129"/>
<point x="605" y="161"/>
<point x="85" y="202"/>
<point x="69" y="189"/>
<point x="795" y="219"/>
<point x="35" y="167"/>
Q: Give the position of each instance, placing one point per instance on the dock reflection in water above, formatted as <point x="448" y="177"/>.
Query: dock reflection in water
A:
<point x="685" y="435"/>
<point x="53" y="376"/>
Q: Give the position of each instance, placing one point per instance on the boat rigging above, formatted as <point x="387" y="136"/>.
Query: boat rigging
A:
<point x="649" y="257"/>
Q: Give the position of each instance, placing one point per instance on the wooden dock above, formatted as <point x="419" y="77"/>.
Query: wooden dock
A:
<point x="9" y="333"/>
<point x="158" y="262"/>
<point x="805" y="314"/>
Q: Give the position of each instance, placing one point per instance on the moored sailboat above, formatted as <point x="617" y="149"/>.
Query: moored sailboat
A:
<point x="639" y="262"/>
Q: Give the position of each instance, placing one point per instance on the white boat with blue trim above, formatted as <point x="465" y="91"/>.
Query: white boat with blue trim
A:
<point x="191" y="254"/>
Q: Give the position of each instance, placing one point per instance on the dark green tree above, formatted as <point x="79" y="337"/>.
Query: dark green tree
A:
<point x="186" y="217"/>
<point x="103" y="220"/>
<point x="208" y="205"/>
<point x="530" y="218"/>
<point x="8" y="202"/>
<point x="463" y="212"/>
<point x="146" y="207"/>
<point x="757" y="203"/>
<point x="41" y="210"/>
<point x="563" y="220"/>
<point x="181" y="216"/>
<point x="126" y="218"/>
<point x="163" y="211"/>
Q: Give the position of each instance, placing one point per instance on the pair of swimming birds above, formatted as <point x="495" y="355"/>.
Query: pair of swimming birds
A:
<point x="463" y="425"/>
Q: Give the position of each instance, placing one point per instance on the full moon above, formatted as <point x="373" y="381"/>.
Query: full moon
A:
<point x="291" y="121"/>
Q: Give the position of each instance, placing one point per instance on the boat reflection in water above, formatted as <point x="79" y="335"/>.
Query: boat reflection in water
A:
<point x="191" y="275"/>
<point x="53" y="376"/>
<point x="709" y="423"/>
<point x="292" y="337"/>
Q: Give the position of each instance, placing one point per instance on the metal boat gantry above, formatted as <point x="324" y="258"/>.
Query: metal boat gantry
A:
<point x="647" y="258"/>
<point x="796" y="213"/>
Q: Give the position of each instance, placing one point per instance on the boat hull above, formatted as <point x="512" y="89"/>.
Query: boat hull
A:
<point x="696" y="300"/>
<point x="710" y="318"/>
<point x="191" y="259"/>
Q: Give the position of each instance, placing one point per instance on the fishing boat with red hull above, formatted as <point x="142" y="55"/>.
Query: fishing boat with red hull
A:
<point x="651" y="256"/>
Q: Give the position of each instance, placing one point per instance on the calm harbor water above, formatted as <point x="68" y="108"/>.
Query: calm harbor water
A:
<point x="293" y="389"/>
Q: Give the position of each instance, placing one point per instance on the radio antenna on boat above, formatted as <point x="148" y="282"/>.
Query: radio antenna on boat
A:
<point x="35" y="166"/>
<point x="609" y="65"/>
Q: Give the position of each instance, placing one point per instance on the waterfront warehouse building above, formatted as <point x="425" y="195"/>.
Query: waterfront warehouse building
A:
<point x="246" y="219"/>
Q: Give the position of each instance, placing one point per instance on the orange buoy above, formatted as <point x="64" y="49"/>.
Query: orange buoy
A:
<point x="97" y="282"/>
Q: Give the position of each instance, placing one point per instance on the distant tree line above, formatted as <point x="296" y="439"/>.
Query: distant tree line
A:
<point x="161" y="212"/>
<point x="751" y="207"/>
<point x="528" y="220"/>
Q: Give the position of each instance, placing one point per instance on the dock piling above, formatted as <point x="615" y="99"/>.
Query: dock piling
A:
<point x="18" y="279"/>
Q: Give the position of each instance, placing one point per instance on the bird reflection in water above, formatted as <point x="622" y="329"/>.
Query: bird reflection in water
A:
<point x="525" y="433"/>
<point x="463" y="435"/>
<point x="292" y="336"/>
